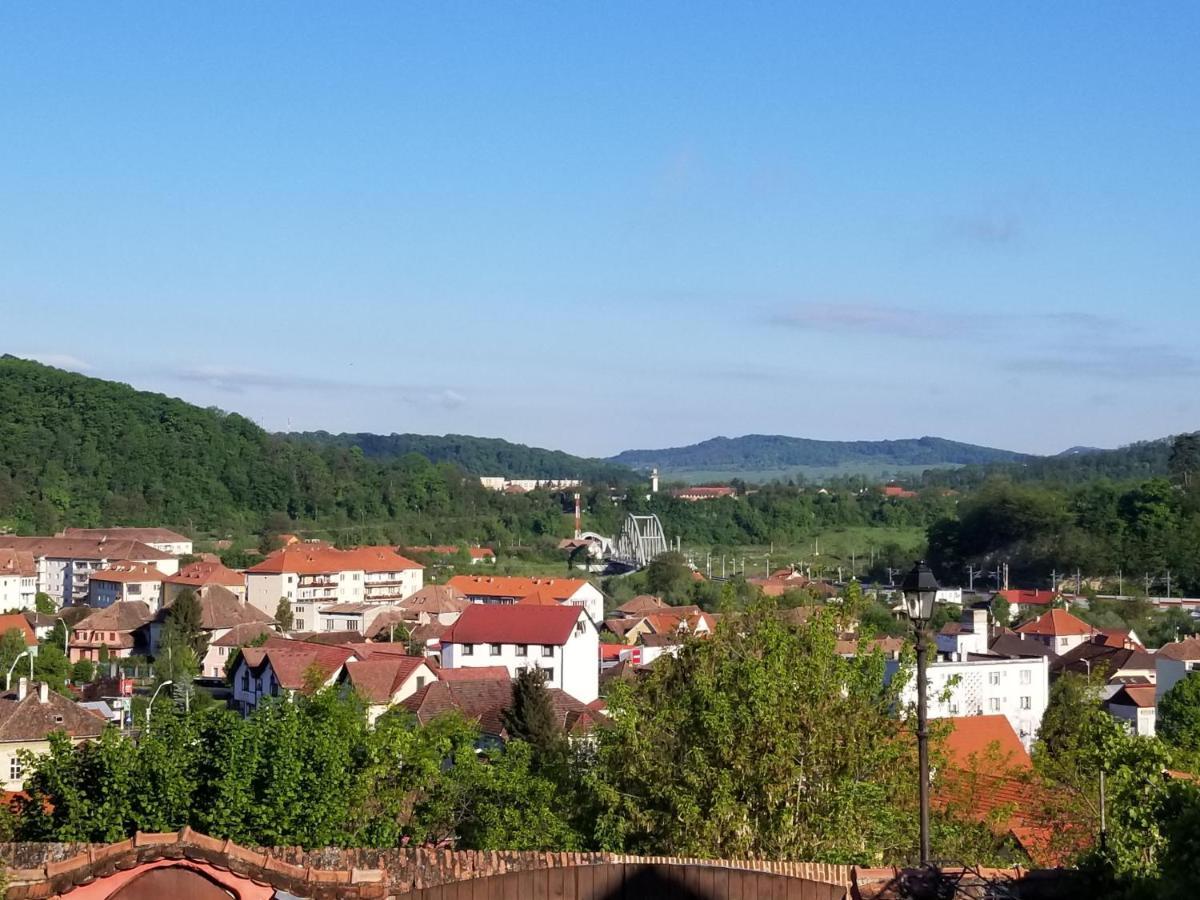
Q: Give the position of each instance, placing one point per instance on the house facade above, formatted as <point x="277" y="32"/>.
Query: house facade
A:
<point x="28" y="715"/>
<point x="18" y="579"/>
<point x="1060" y="631"/>
<point x="122" y="581"/>
<point x="64" y="565"/>
<point x="281" y="667"/>
<point x="112" y="630"/>
<point x="511" y="590"/>
<point x="202" y="575"/>
<point x="561" y="641"/>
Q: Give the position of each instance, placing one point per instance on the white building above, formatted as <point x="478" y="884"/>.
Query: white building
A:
<point x="1135" y="706"/>
<point x="1018" y="689"/>
<point x="562" y="641"/>
<point x="311" y="576"/>
<point x="159" y="538"/>
<point x="512" y="590"/>
<point x="1173" y="662"/>
<point x="18" y="580"/>
<point x="65" y="564"/>
<point x="352" y="617"/>
<point x="124" y="580"/>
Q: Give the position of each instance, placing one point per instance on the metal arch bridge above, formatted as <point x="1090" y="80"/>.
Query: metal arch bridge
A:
<point x="641" y="539"/>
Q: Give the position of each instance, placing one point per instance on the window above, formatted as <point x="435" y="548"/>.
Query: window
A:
<point x="468" y="649"/>
<point x="993" y="677"/>
<point x="522" y="649"/>
<point x="580" y="627"/>
<point x="245" y="680"/>
<point x="548" y="675"/>
<point x="547" y="649"/>
<point x="299" y="624"/>
<point x="1026" y="703"/>
<point x="291" y="579"/>
<point x="15" y="769"/>
<point x="420" y="682"/>
<point x="994" y="704"/>
<point x="135" y="589"/>
<point x="329" y="623"/>
<point x="953" y="708"/>
<point x="496" y="649"/>
<point x="1026" y="677"/>
<point x="1062" y="642"/>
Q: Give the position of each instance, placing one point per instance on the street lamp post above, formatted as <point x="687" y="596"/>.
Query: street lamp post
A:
<point x="66" y="636"/>
<point x="150" y="705"/>
<point x="920" y="591"/>
<point x="8" y="677"/>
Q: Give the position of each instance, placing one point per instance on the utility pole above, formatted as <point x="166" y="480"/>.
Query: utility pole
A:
<point x="971" y="573"/>
<point x="1078" y="582"/>
<point x="1006" y="575"/>
<point x="1054" y="580"/>
<point x="1168" y="584"/>
<point x="1120" y="583"/>
<point x="892" y="573"/>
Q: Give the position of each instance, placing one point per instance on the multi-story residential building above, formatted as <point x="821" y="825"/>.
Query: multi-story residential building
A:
<point x="124" y="580"/>
<point x="561" y="641"/>
<point x="509" y="591"/>
<point x="200" y="576"/>
<point x="113" y="629"/>
<point x="28" y="715"/>
<point x="1016" y="688"/>
<point x="65" y="564"/>
<point x="1058" y="630"/>
<point x="18" y="579"/>
<point x="310" y="576"/>
<point x="159" y="538"/>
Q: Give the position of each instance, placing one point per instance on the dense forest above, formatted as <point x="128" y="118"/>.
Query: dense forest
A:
<point x="1135" y="462"/>
<point x="476" y="455"/>
<point x="765" y="452"/>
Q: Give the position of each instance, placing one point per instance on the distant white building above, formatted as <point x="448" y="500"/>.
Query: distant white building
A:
<point x="18" y="580"/>
<point x="1018" y="689"/>
<point x="65" y="564"/>
<point x="159" y="538"/>
<point x="524" y="485"/>
<point x="561" y="641"/>
<point x="1173" y="662"/>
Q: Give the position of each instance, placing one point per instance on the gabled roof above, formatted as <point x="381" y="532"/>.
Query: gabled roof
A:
<point x="32" y="720"/>
<point x="474" y="673"/>
<point x="83" y="548"/>
<point x="125" y="533"/>
<point x="1013" y="646"/>
<point x="1186" y="650"/>
<point x="221" y="608"/>
<point x="1098" y="652"/>
<point x="126" y="615"/>
<point x="560" y="589"/>
<point x="314" y="559"/>
<point x="378" y="678"/>
<point x="17" y="562"/>
<point x="1140" y="695"/>
<point x="1023" y="597"/>
<point x="436" y="599"/>
<point x="985" y="743"/>
<point x="1056" y="623"/>
<point x="486" y="701"/>
<point x="18" y="622"/>
<point x="242" y="635"/>
<point x="497" y="624"/>
<point x="290" y="660"/>
<point x="126" y="572"/>
<point x="642" y="604"/>
<point x="205" y="573"/>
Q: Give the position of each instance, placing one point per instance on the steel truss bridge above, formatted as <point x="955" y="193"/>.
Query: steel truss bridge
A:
<point x="641" y="539"/>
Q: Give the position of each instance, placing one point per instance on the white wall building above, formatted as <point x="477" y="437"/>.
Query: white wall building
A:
<point x="65" y="564"/>
<point x="18" y="580"/>
<point x="122" y="581"/>
<point x="1019" y="689"/>
<point x="512" y="590"/>
<point x="159" y="538"/>
<point x="562" y="641"/>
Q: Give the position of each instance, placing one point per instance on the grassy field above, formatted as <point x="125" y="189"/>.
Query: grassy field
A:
<point x="816" y="474"/>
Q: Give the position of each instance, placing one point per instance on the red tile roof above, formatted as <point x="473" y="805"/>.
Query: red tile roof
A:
<point x="1029" y="598"/>
<point x="18" y="622"/>
<point x="309" y="559"/>
<point x="83" y="548"/>
<point x="642" y="603"/>
<point x="486" y="701"/>
<point x="436" y="599"/>
<point x="1056" y="623"/>
<point x="202" y="574"/>
<point x="290" y="660"/>
<point x="515" y="587"/>
<point x="32" y="720"/>
<point x="17" y="562"/>
<point x="1139" y="695"/>
<point x="495" y="624"/>
<point x="378" y="678"/>
<point x="126" y="572"/>
<point x="987" y="741"/>
<point x="474" y="673"/>
<point x="1185" y="650"/>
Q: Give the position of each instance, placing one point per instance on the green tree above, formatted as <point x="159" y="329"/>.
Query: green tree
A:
<point x="52" y="666"/>
<point x="668" y="576"/>
<point x="12" y="645"/>
<point x="1179" y="714"/>
<point x="531" y="718"/>
<point x="184" y="626"/>
<point x="283" y="615"/>
<point x="83" y="671"/>
<point x="44" y="604"/>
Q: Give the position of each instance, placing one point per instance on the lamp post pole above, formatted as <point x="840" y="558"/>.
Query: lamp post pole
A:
<point x="923" y="739"/>
<point x="150" y="705"/>
<point x="8" y="677"/>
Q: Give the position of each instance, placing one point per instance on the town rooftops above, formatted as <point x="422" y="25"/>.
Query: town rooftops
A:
<point x="642" y="604"/>
<point x="1140" y="695"/>
<point x="221" y="608"/>
<point x="515" y="587"/>
<point x="18" y="622"/>
<point x="984" y="743"/>
<point x="1011" y="645"/>
<point x="1091" y="655"/>
<point x="1056" y="623"/>
<point x="83" y="548"/>
<point x="123" y="533"/>
<point x="484" y="624"/>
<point x="485" y="701"/>
<point x="40" y="711"/>
<point x="1023" y="597"/>
<point x="291" y="660"/>
<point x="436" y="599"/>
<point x="242" y="635"/>
<point x="378" y="678"/>
<point x="474" y="673"/>
<point x="204" y="573"/>
<point x="17" y="562"/>
<point x="126" y="615"/>
<point x="125" y="571"/>
<point x="311" y="559"/>
<point x="1186" y="650"/>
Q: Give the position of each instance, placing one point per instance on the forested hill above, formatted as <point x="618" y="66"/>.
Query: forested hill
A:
<point x="756" y="453"/>
<point x="477" y="455"/>
<point x="83" y="451"/>
<point x="1135" y="462"/>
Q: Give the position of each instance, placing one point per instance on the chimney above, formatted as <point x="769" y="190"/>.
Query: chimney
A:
<point x="43" y="693"/>
<point x="22" y="687"/>
<point x="654" y="481"/>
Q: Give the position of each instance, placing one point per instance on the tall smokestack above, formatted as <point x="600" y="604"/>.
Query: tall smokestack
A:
<point x="654" y="481"/>
<point x="578" y="518"/>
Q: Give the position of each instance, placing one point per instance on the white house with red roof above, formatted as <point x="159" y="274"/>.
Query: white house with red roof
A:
<point x="311" y="576"/>
<point x="124" y="580"/>
<point x="280" y="668"/>
<point x="1021" y="601"/>
<point x="511" y="590"/>
<point x="1058" y="630"/>
<point x="18" y="579"/>
<point x="562" y="641"/>
<point x="199" y="576"/>
<point x="385" y="679"/>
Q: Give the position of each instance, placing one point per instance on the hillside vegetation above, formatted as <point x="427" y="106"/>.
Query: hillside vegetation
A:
<point x="477" y="455"/>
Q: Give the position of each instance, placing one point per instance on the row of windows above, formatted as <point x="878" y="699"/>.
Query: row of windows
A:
<point x="498" y="649"/>
<point x="994" y="705"/>
<point x="1026" y="677"/>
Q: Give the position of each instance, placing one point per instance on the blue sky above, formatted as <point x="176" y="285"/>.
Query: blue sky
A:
<point x="597" y="226"/>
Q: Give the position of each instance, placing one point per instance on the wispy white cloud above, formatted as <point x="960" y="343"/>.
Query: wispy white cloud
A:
<point x="238" y="380"/>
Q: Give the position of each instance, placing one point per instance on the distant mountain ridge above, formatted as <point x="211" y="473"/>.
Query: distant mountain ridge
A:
<point x="772" y="452"/>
